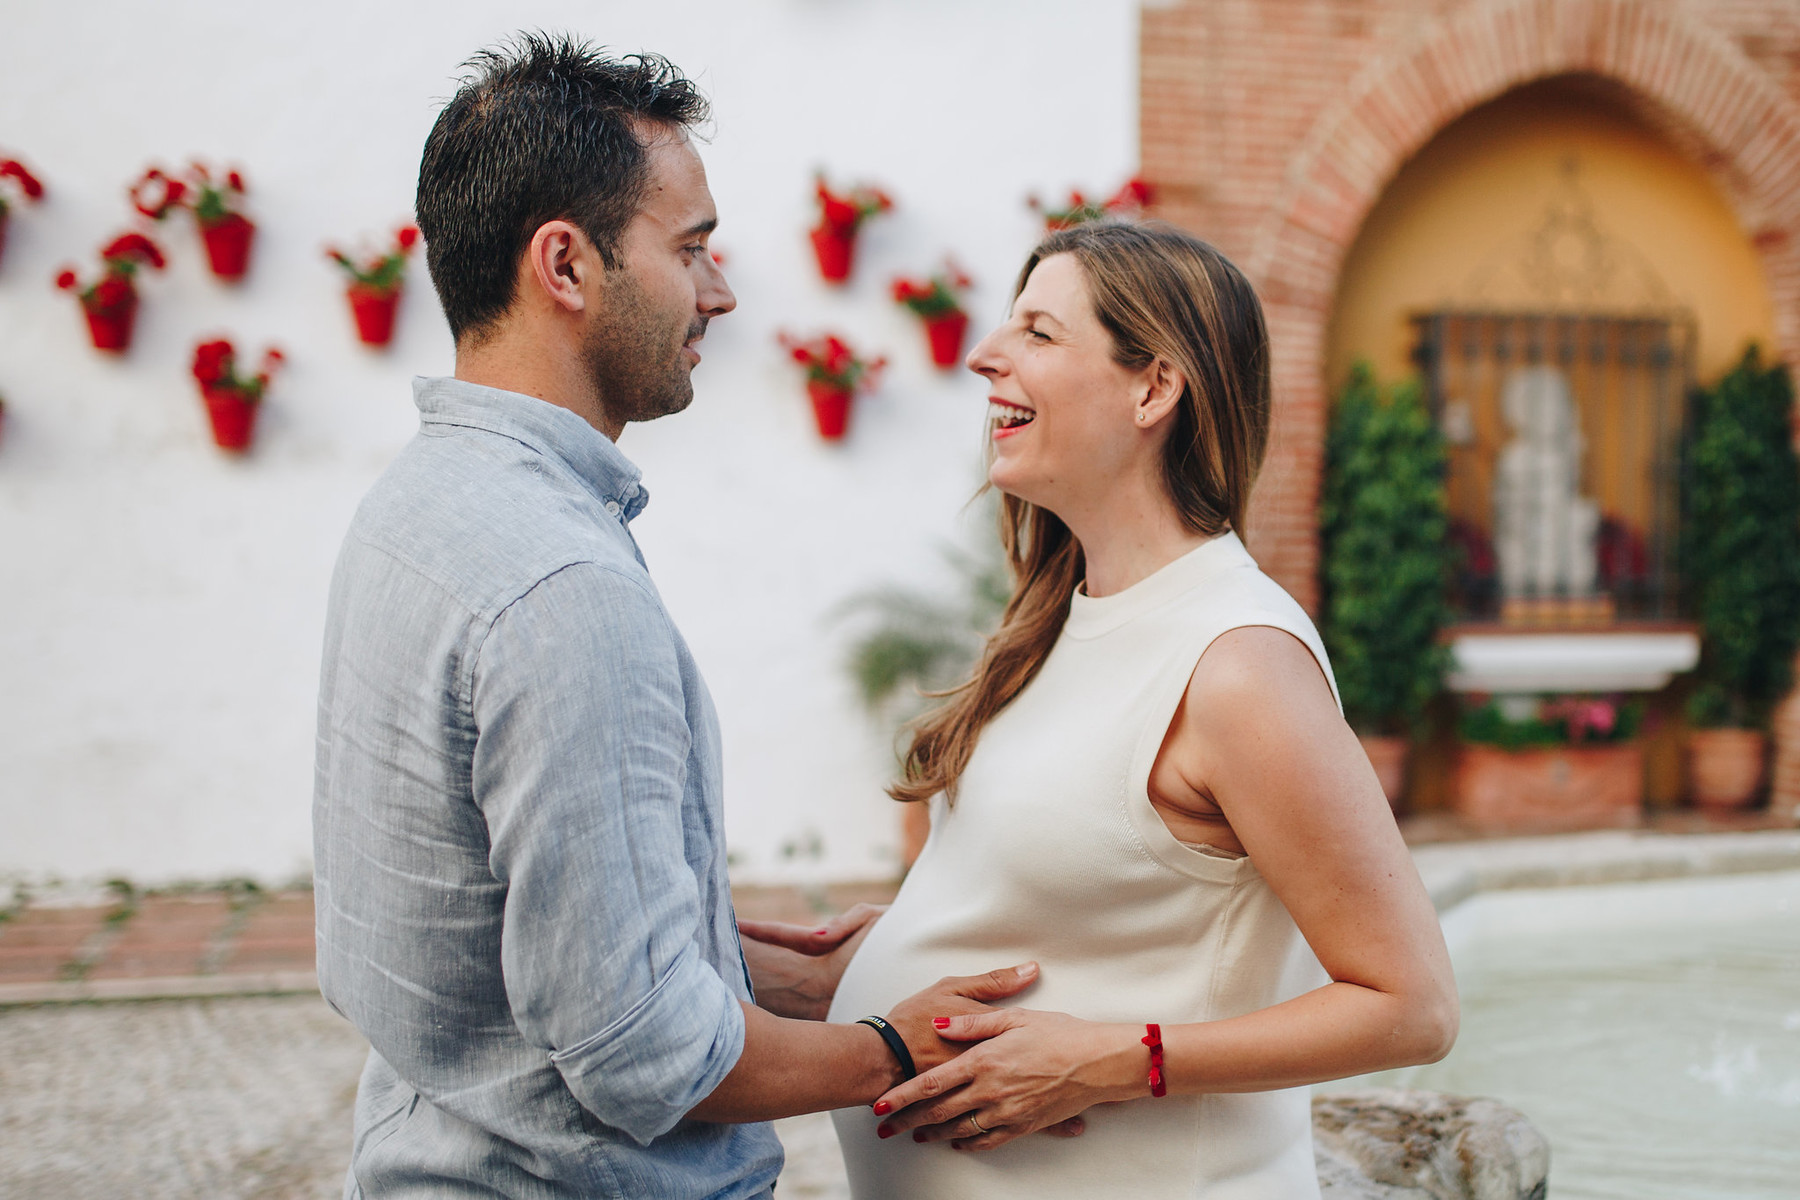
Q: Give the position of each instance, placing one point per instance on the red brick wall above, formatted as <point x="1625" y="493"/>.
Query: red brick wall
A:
<point x="1271" y="127"/>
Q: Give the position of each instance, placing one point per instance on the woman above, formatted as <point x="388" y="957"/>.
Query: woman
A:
<point x="1147" y="786"/>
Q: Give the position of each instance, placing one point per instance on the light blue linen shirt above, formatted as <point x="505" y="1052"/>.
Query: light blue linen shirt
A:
<point x="520" y="859"/>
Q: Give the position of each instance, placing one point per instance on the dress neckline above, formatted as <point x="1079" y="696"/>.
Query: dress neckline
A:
<point x="1090" y="617"/>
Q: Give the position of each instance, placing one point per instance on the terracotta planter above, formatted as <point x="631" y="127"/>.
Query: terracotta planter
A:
<point x="1388" y="756"/>
<point x="831" y="408"/>
<point x="233" y="418"/>
<point x="1550" y="790"/>
<point x="1725" y="766"/>
<point x="228" y="245"/>
<point x="110" y="330"/>
<point x="373" y="309"/>
<point x="946" y="336"/>
<point x="835" y="248"/>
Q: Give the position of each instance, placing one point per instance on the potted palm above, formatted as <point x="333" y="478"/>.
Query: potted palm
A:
<point x="937" y="302"/>
<point x="1741" y="562"/>
<point x="917" y="645"/>
<point x="841" y="216"/>
<point x="21" y="180"/>
<point x="224" y="230"/>
<point x="110" y="302"/>
<point x="834" y="374"/>
<point x="376" y="282"/>
<point x="1385" y="567"/>
<point x="232" y="400"/>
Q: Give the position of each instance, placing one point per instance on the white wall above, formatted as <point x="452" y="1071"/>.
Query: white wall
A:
<point x="161" y="606"/>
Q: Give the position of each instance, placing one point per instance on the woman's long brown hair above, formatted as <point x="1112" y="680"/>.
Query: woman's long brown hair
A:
<point x="1160" y="293"/>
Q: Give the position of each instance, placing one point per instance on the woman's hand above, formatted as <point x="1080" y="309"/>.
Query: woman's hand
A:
<point x="796" y="968"/>
<point x="1029" y="1071"/>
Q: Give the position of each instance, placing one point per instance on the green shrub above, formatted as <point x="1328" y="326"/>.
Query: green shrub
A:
<point x="1386" y="568"/>
<point x="1740" y="543"/>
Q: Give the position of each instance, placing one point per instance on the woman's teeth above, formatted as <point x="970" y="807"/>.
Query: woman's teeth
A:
<point x="1009" y="416"/>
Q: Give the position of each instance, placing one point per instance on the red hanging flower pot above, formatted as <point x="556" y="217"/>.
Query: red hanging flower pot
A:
<point x="110" y="329"/>
<point x="834" y="374"/>
<point x="946" y="334"/>
<point x="110" y="302"/>
<point x="28" y="187"/>
<point x="232" y="415"/>
<point x="840" y="216"/>
<point x="375" y="286"/>
<point x="228" y="245"/>
<point x="937" y="302"/>
<point x="835" y="249"/>
<point x="1129" y="202"/>
<point x="831" y="408"/>
<point x="225" y="231"/>
<point x="373" y="311"/>
<point x="231" y="400"/>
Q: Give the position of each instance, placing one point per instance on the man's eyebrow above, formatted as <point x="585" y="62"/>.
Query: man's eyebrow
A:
<point x="699" y="228"/>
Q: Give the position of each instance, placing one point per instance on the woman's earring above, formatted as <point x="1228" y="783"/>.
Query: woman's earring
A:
<point x="1140" y="414"/>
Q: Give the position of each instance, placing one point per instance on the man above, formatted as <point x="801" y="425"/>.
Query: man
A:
<point x="521" y="886"/>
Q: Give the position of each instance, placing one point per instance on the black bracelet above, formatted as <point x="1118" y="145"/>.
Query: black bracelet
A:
<point x="894" y="1041"/>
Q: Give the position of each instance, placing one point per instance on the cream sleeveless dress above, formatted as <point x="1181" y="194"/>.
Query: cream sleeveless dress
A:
<point x="1054" y="853"/>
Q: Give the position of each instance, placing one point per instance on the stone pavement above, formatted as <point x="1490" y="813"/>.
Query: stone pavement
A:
<point x="225" y="1097"/>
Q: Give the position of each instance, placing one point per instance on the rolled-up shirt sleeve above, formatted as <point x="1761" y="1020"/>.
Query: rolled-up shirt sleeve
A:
<point x="579" y="768"/>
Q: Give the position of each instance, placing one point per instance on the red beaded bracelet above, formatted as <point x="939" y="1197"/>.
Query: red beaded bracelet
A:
<point x="1153" y="1039"/>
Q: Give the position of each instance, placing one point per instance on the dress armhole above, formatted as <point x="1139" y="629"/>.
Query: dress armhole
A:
<point x="1153" y="834"/>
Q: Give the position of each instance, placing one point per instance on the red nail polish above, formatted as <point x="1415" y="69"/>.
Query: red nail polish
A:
<point x="883" y="1108"/>
<point x="884" y="1131"/>
<point x="820" y="932"/>
<point x="940" y="1022"/>
<point x="919" y="1138"/>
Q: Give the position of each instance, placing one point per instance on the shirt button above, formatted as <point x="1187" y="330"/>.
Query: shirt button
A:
<point x="612" y="506"/>
<point x="631" y="489"/>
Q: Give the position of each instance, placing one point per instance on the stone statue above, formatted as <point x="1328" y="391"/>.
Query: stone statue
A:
<point x="1545" y="531"/>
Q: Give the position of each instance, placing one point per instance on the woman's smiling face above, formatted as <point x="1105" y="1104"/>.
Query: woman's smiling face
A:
<point x="1061" y="410"/>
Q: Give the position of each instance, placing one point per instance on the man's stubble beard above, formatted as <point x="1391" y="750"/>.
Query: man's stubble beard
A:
<point x="637" y="373"/>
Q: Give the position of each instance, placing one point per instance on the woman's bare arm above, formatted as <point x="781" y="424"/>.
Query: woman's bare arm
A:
<point x="1259" y="737"/>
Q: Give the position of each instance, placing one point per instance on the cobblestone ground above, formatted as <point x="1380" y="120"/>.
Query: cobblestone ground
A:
<point x="223" y="1098"/>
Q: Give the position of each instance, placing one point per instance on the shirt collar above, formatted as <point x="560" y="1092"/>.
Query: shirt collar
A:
<point x="547" y="428"/>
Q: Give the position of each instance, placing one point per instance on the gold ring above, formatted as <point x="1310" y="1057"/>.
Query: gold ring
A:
<point x="976" y="1124"/>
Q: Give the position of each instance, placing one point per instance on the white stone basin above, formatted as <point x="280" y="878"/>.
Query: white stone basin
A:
<point x="1623" y="661"/>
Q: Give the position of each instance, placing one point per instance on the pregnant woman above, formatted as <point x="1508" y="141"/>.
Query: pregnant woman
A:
<point x="1147" y="787"/>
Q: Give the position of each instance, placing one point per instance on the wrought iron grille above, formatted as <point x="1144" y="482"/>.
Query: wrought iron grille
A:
<point x="1564" y="438"/>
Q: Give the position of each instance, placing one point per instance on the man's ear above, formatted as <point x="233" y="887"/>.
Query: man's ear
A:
<point x="559" y="261"/>
<point x="1162" y="384"/>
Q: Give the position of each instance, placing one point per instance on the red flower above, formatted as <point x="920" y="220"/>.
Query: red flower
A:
<point x="234" y="181"/>
<point x="66" y="279"/>
<point x="407" y="237"/>
<point x="111" y="292"/>
<point x="154" y="194"/>
<point x="1134" y="194"/>
<point x="843" y="213"/>
<point x="212" y="362"/>
<point x="12" y="168"/>
<point x="134" y="247"/>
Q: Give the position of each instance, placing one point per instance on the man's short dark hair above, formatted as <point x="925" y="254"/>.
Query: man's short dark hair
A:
<point x="543" y="128"/>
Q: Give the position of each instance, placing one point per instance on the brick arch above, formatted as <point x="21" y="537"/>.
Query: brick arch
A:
<point x="1693" y="84"/>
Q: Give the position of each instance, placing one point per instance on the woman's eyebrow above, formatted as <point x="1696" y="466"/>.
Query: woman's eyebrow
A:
<point x="1033" y="314"/>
